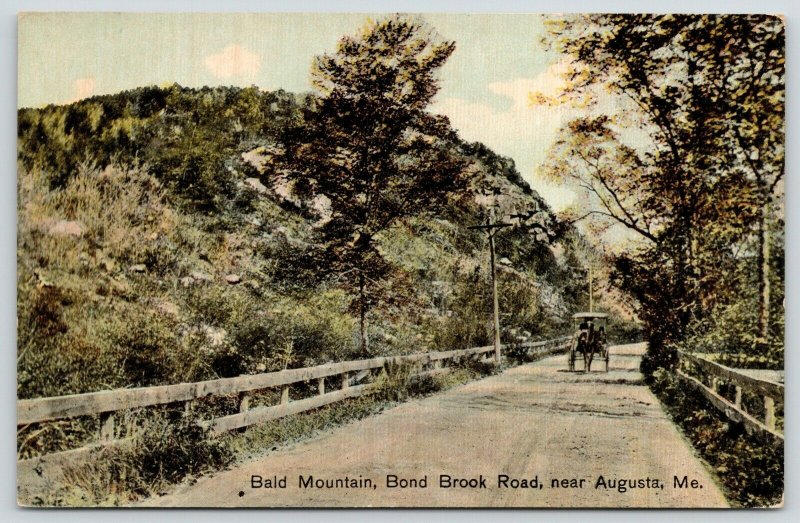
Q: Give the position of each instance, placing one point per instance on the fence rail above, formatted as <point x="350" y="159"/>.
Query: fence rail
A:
<point x="106" y="404"/>
<point x="720" y="375"/>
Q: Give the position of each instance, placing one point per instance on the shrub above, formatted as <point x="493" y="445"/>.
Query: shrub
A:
<point x="392" y="384"/>
<point x="167" y="448"/>
<point x="749" y="467"/>
<point x="143" y="341"/>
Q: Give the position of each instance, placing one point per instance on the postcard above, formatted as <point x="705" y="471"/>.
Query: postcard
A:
<point x="400" y="260"/>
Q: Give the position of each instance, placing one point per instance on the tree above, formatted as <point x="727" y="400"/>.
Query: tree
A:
<point x="705" y="98"/>
<point x="367" y="152"/>
<point x="752" y="107"/>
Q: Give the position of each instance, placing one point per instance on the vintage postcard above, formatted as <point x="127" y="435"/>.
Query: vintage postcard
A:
<point x="400" y="260"/>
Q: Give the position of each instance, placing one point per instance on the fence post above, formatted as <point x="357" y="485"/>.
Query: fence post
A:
<point x="345" y="380"/>
<point x="106" y="427"/>
<point x="321" y="386"/>
<point x="285" y="394"/>
<point x="769" y="412"/>
<point x="738" y="399"/>
<point x="244" y="405"/>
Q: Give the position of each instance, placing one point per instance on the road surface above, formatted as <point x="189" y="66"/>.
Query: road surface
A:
<point x="533" y="436"/>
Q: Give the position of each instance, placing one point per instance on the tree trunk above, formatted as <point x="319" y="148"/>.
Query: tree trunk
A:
<point x="764" y="289"/>
<point x="363" y="340"/>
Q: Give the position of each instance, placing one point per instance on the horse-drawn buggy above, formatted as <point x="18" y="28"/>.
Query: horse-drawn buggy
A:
<point x="589" y="340"/>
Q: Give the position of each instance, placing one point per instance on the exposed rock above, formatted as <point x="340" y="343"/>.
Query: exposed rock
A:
<point x="66" y="228"/>
<point x="139" y="267"/>
<point x="195" y="277"/>
<point x="255" y="183"/>
<point x="42" y="281"/>
<point x="233" y="279"/>
<point x="258" y="157"/>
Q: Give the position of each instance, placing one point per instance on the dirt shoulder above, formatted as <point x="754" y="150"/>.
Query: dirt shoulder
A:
<point x="533" y="436"/>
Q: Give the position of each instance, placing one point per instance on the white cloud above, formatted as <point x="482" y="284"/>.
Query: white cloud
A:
<point x="548" y="83"/>
<point x="526" y="133"/>
<point x="521" y="132"/>
<point x="233" y="60"/>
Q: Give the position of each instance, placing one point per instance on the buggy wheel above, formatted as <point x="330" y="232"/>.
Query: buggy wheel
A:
<point x="607" y="358"/>
<point x="571" y="354"/>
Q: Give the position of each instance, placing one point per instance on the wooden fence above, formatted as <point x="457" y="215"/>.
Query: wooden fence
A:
<point x="693" y="369"/>
<point x="109" y="404"/>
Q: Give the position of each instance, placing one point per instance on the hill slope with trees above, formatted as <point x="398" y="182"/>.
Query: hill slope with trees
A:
<point x="169" y="234"/>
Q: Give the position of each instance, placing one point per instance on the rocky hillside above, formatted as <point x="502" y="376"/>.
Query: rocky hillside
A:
<point x="156" y="246"/>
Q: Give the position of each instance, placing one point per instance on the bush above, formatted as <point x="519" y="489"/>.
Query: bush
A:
<point x="143" y="344"/>
<point x="392" y="384"/>
<point x="658" y="356"/>
<point x="731" y="331"/>
<point x="167" y="448"/>
<point x="173" y="446"/>
<point x="749" y="467"/>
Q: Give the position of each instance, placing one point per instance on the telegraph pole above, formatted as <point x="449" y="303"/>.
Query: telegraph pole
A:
<point x="590" y="277"/>
<point x="491" y="227"/>
<point x="495" y="299"/>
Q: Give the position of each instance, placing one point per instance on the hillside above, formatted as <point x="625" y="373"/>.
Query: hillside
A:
<point x="157" y="246"/>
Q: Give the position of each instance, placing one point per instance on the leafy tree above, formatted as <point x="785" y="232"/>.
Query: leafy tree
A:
<point x="367" y="151"/>
<point x="694" y="167"/>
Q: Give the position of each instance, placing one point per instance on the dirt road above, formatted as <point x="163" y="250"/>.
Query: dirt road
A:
<point x="533" y="436"/>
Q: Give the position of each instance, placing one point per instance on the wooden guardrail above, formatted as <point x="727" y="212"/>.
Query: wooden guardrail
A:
<point x="106" y="404"/>
<point x="719" y="375"/>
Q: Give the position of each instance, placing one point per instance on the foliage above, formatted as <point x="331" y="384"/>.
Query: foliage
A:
<point x="89" y="322"/>
<point x="393" y="381"/>
<point x="168" y="448"/>
<point x="169" y="234"/>
<point x="151" y="182"/>
<point x="368" y="149"/>
<point x="692" y="164"/>
<point x="750" y="469"/>
<point x="189" y="139"/>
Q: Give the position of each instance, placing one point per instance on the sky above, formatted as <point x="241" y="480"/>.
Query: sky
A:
<point x="485" y="84"/>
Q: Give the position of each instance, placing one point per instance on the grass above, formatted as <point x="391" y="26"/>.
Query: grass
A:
<point x="750" y="468"/>
<point x="169" y="447"/>
<point x="89" y="321"/>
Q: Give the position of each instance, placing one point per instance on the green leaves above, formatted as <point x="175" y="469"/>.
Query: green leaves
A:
<point x="693" y="159"/>
<point x="369" y="148"/>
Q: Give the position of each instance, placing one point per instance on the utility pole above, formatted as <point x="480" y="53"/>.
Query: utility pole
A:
<point x="495" y="299"/>
<point x="491" y="227"/>
<point x="590" y="277"/>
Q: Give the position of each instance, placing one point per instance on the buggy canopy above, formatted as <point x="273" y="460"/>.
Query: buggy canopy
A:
<point x="589" y="315"/>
